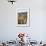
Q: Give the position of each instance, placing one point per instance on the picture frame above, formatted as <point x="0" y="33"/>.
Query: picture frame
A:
<point x="23" y="17"/>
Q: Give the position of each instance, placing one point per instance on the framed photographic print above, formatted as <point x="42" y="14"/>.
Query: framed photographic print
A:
<point x="22" y="17"/>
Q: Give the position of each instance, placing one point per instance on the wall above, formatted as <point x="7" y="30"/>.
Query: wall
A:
<point x="37" y="29"/>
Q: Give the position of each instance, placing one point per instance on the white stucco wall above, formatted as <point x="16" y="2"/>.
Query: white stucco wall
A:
<point x="37" y="29"/>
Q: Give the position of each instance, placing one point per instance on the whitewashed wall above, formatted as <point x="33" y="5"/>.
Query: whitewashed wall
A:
<point x="37" y="29"/>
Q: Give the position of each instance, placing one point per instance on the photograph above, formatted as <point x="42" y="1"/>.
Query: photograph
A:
<point x="22" y="18"/>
